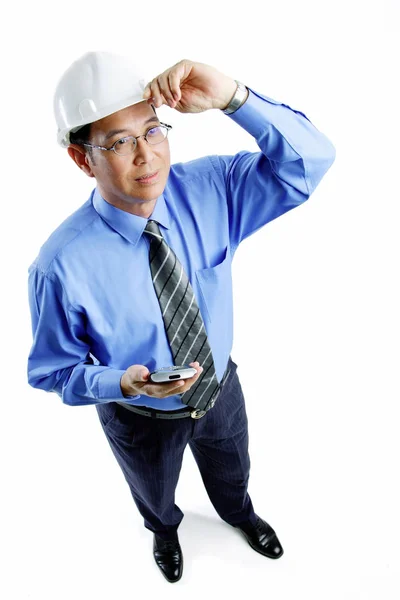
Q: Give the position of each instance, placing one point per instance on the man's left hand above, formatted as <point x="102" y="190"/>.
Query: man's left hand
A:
<point x="190" y="87"/>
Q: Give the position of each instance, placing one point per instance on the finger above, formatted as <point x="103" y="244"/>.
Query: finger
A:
<point x="196" y="376"/>
<point x="162" y="390"/>
<point x="163" y="83"/>
<point x="147" y="91"/>
<point x="147" y="94"/>
<point x="197" y="366"/>
<point x="174" y="81"/>
<point x="138" y="373"/>
<point x="157" y="94"/>
<point x="191" y="380"/>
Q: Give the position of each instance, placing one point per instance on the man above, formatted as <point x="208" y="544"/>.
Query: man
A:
<point x="139" y="278"/>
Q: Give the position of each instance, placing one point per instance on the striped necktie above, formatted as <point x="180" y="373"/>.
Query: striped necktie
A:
<point x="182" y="319"/>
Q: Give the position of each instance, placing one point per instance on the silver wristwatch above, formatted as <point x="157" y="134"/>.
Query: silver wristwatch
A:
<point x="237" y="100"/>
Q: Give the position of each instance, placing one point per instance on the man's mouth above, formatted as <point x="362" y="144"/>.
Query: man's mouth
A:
<point x="148" y="177"/>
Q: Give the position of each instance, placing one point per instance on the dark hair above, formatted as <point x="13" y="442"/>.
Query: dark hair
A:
<point x="81" y="137"/>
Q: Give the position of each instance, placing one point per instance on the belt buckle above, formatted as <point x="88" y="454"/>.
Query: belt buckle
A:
<point x="197" y="413"/>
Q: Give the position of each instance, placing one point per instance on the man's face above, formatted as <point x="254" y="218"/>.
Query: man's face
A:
<point x="120" y="178"/>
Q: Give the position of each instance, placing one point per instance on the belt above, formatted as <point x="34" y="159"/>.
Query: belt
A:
<point x="180" y="413"/>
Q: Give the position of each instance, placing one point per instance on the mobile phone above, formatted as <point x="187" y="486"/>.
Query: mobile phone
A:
<point x="167" y="374"/>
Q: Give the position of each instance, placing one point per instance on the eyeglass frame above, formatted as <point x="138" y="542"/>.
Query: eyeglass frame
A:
<point x="168" y="127"/>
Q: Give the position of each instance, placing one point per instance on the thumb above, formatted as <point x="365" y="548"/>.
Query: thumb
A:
<point x="144" y="374"/>
<point x="139" y="373"/>
<point x="146" y="93"/>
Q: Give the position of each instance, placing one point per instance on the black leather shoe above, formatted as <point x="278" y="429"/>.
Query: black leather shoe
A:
<point x="262" y="538"/>
<point x="168" y="556"/>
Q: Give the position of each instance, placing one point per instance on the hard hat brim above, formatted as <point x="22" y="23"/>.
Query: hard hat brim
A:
<point x="63" y="135"/>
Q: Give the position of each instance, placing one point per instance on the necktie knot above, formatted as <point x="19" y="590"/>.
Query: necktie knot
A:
<point x="153" y="229"/>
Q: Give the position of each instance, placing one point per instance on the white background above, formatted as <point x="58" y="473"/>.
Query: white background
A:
<point x="316" y="338"/>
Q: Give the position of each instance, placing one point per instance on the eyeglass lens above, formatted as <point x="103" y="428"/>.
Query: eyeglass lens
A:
<point x="155" y="135"/>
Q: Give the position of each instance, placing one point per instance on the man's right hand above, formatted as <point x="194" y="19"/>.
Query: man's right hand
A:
<point x="135" y="381"/>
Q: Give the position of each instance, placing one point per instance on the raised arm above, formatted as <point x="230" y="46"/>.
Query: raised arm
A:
<point x="294" y="155"/>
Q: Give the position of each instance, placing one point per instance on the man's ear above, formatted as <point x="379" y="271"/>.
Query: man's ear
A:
<point x="80" y="158"/>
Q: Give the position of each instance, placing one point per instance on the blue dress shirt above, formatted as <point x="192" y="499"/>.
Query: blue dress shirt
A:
<point x="93" y="306"/>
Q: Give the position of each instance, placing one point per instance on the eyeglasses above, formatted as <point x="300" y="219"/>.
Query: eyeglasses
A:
<point x="127" y="145"/>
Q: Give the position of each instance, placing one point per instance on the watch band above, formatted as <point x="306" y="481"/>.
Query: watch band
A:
<point x="237" y="100"/>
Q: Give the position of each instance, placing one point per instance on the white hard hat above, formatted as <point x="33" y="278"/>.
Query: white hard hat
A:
<point x="94" y="86"/>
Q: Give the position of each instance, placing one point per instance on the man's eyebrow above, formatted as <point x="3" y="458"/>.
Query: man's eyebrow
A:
<point x="114" y="132"/>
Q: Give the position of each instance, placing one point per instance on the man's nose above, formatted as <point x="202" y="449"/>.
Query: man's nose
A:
<point x="143" y="151"/>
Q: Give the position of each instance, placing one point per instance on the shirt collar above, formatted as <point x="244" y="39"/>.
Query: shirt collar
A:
<point x="129" y="226"/>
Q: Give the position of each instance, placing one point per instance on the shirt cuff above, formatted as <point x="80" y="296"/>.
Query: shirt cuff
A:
<point x="256" y="106"/>
<point x="109" y="386"/>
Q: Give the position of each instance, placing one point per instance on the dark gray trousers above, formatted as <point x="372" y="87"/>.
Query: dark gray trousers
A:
<point x="150" y="452"/>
